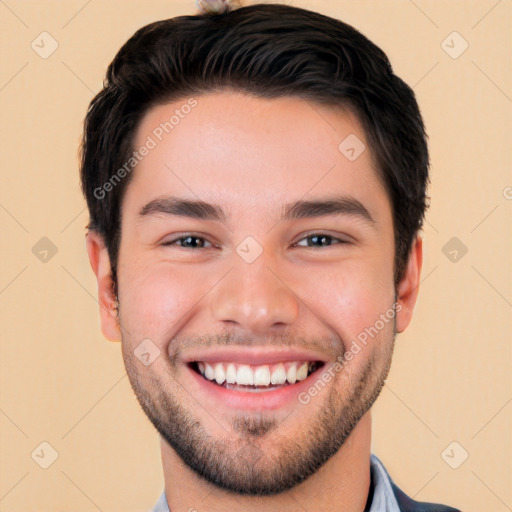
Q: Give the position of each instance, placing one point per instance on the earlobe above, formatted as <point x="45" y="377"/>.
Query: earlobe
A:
<point x="100" y="264"/>
<point x="407" y="289"/>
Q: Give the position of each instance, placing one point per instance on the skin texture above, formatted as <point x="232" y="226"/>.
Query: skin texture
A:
<point x="250" y="156"/>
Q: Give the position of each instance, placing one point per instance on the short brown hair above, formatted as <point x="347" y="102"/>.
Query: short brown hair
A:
<point x="270" y="51"/>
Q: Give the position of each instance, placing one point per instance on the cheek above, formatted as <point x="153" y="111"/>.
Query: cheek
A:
<point x="156" y="298"/>
<point x="349" y="296"/>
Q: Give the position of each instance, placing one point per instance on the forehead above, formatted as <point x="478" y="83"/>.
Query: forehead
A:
<point x="239" y="149"/>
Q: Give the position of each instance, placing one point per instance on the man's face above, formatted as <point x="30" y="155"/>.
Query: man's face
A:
<point x="261" y="291"/>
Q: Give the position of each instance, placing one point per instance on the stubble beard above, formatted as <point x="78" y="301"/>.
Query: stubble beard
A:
<point x="240" y="462"/>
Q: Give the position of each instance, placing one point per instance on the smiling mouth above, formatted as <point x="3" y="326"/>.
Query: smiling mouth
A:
<point x="255" y="378"/>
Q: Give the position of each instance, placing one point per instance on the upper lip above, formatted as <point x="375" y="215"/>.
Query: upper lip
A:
<point x="253" y="356"/>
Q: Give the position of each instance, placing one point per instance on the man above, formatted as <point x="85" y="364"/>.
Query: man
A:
<point x="256" y="182"/>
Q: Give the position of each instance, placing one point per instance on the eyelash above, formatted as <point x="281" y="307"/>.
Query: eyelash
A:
<point x="311" y="235"/>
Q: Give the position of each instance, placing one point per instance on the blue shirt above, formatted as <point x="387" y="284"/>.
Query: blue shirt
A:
<point x="387" y="497"/>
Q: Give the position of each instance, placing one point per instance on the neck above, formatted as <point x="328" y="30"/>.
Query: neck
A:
<point x="341" y="484"/>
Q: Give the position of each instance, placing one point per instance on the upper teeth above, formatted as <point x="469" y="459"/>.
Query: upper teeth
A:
<point x="262" y="375"/>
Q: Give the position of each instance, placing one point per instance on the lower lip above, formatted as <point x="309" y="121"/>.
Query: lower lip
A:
<point x="247" y="400"/>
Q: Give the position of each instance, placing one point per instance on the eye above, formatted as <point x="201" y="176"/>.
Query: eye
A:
<point x="320" y="240"/>
<point x="189" y="242"/>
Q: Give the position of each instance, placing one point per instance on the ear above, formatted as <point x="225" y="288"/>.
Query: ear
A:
<point x="407" y="289"/>
<point x="100" y="264"/>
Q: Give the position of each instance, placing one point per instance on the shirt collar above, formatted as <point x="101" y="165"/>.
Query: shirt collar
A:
<point x="161" y="504"/>
<point x="383" y="499"/>
<point x="383" y="496"/>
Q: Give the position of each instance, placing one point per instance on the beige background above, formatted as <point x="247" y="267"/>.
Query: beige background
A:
<point x="62" y="383"/>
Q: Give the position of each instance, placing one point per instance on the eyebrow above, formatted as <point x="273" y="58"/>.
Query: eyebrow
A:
<point x="170" y="205"/>
<point x="197" y="209"/>
<point x="338" y="205"/>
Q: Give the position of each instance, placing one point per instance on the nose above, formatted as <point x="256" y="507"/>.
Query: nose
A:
<point x="254" y="298"/>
